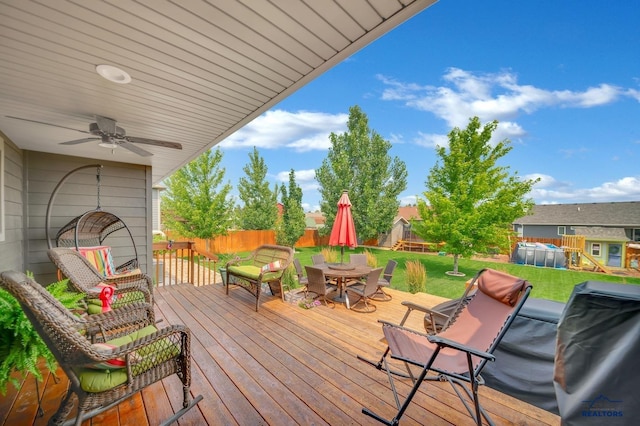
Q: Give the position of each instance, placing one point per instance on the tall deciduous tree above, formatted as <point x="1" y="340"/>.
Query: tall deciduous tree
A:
<point x="292" y="223"/>
<point x="260" y="209"/>
<point x="359" y="162"/>
<point x="471" y="201"/>
<point x="196" y="203"/>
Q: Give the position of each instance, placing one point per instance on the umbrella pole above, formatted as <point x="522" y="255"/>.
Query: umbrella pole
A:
<point x="341" y="254"/>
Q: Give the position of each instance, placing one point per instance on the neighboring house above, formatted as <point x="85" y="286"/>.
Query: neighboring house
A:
<point x="189" y="87"/>
<point x="401" y="228"/>
<point x="607" y="227"/>
<point x="315" y="220"/>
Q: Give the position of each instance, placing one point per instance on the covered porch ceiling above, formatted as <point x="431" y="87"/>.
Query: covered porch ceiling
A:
<point x="200" y="70"/>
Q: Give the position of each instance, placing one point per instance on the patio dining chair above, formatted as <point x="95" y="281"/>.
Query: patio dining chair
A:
<point x="358" y="259"/>
<point x="459" y="352"/>
<point x="302" y="280"/>
<point x="318" y="259"/>
<point x="360" y="292"/>
<point x="318" y="285"/>
<point x="385" y="282"/>
<point x="101" y="373"/>
<point x="85" y="278"/>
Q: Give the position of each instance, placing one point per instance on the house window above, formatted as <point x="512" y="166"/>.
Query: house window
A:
<point x="519" y="230"/>
<point x="635" y="234"/>
<point x="595" y="249"/>
<point x="562" y="230"/>
<point x="2" y="213"/>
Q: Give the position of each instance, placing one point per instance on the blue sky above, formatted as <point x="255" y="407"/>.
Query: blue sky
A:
<point x="561" y="77"/>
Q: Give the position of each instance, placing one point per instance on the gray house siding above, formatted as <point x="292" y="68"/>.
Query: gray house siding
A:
<point x="11" y="248"/>
<point x="125" y="190"/>
<point x="545" y="231"/>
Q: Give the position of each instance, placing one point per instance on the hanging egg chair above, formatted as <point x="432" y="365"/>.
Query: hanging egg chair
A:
<point x="88" y="232"/>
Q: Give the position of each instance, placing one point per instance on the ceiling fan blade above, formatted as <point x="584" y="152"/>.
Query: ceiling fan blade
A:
<point x="106" y="124"/>
<point x="131" y="147"/>
<point x="77" y="141"/>
<point x="46" y="124"/>
<point x="164" y="144"/>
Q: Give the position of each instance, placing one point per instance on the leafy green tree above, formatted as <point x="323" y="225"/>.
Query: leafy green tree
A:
<point x="292" y="223"/>
<point x="260" y="209"/>
<point x="196" y="203"/>
<point x="471" y="201"/>
<point x="359" y="162"/>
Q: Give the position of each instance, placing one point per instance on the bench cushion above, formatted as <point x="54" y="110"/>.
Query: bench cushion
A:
<point x="253" y="272"/>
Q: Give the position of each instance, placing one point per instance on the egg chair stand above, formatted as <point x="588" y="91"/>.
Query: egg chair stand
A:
<point x="91" y="228"/>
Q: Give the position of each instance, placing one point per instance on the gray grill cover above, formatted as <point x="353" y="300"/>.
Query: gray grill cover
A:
<point x="524" y="358"/>
<point x="597" y="355"/>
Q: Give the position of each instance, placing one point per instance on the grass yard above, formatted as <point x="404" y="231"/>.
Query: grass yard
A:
<point x="548" y="283"/>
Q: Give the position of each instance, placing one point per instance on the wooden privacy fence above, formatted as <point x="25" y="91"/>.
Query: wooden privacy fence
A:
<point x="242" y="241"/>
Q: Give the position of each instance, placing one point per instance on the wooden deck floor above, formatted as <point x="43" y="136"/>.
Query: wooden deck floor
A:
<point x="281" y="366"/>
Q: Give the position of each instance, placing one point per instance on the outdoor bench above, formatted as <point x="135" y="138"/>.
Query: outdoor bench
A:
<point x="266" y="264"/>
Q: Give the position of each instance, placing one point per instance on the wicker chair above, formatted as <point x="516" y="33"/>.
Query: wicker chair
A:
<point x="104" y="374"/>
<point x="358" y="259"/>
<point x="318" y="285"/>
<point x="85" y="278"/>
<point x="362" y="291"/>
<point x="302" y="280"/>
<point x="385" y="281"/>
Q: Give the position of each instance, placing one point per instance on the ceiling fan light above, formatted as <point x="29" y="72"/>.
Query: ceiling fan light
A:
<point x="113" y="74"/>
<point x="109" y="145"/>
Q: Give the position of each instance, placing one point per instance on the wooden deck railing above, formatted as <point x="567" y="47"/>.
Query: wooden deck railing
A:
<point x="181" y="262"/>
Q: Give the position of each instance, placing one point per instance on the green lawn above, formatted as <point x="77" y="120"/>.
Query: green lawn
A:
<point x="548" y="283"/>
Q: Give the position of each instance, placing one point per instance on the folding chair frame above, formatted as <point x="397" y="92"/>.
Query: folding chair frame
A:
<point x="472" y="377"/>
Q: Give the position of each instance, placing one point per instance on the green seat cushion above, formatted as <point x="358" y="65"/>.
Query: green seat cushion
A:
<point x="132" y="337"/>
<point x="253" y="272"/>
<point x="94" y="381"/>
<point x="97" y="379"/>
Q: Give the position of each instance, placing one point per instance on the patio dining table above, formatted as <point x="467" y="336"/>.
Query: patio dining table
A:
<point x="342" y="272"/>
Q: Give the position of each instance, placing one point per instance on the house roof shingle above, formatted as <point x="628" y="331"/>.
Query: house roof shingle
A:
<point x="621" y="214"/>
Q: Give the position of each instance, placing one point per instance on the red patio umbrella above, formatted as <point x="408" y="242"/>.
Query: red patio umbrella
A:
<point x="344" y="230"/>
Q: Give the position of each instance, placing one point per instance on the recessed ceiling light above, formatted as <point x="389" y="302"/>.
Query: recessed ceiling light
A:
<point x="114" y="74"/>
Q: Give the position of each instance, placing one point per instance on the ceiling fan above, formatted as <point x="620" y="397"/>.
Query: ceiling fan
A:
<point x="110" y="136"/>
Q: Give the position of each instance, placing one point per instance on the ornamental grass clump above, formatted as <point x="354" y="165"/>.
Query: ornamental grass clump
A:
<point x="289" y="277"/>
<point x="330" y="255"/>
<point x="415" y="276"/>
<point x="21" y="348"/>
<point x="372" y="260"/>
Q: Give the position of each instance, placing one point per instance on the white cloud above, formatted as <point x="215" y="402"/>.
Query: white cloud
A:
<point x="546" y="181"/>
<point x="633" y="93"/>
<point x="551" y="191"/>
<point x="299" y="131"/>
<point x="396" y="139"/>
<point x="496" y="96"/>
<point x="431" y="140"/>
<point x="305" y="179"/>
<point x="408" y="200"/>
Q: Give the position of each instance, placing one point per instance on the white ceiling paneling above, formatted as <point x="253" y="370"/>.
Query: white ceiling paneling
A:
<point x="201" y="69"/>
